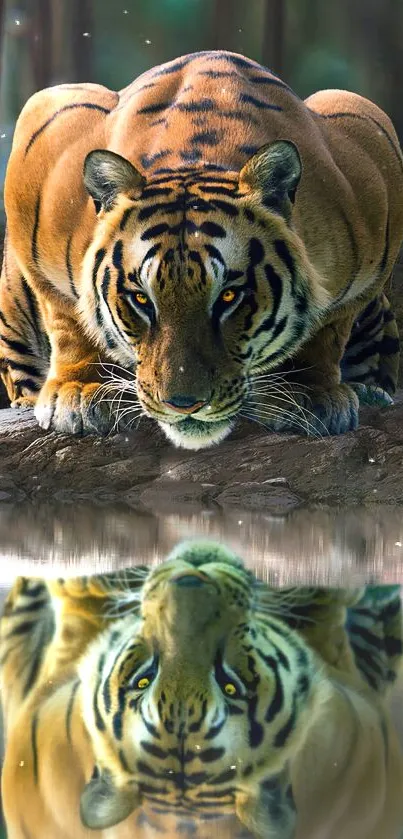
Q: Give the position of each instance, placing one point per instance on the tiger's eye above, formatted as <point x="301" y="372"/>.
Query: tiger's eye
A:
<point x="228" y="295"/>
<point x="143" y="683"/>
<point x="230" y="689"/>
<point x="141" y="298"/>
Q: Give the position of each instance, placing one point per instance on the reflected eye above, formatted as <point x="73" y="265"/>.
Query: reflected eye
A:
<point x="228" y="296"/>
<point x="143" y="683"/>
<point x="230" y="689"/>
<point x="141" y="298"/>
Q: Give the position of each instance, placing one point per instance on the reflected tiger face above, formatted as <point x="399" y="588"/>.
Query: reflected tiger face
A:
<point x="195" y="703"/>
<point x="198" y="282"/>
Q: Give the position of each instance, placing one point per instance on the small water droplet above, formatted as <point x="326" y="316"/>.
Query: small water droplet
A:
<point x="371" y="460"/>
<point x="86" y="34"/>
<point x="181" y="369"/>
<point x="2" y="136"/>
<point x="239" y="30"/>
<point x="126" y="439"/>
<point x="125" y="11"/>
<point x="17" y="22"/>
<point x="21" y="763"/>
<point x="147" y="41"/>
<point x="240" y="521"/>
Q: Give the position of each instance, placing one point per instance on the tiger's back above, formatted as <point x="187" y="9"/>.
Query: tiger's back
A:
<point x="215" y="110"/>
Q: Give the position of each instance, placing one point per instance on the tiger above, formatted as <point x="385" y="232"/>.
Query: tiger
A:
<point x="191" y="699"/>
<point x="200" y="247"/>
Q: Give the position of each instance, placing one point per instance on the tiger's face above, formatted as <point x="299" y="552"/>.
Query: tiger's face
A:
<point x="197" y="282"/>
<point x="195" y="704"/>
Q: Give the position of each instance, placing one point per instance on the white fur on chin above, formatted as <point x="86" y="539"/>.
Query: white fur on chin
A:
<point x="213" y="434"/>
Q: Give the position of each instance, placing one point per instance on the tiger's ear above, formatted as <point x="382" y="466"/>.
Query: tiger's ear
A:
<point x="103" y="805"/>
<point x="107" y="175"/>
<point x="274" y="171"/>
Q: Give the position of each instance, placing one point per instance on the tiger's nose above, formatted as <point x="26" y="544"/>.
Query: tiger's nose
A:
<point x="184" y="404"/>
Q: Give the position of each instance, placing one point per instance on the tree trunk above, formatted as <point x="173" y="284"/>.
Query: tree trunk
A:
<point x="273" y="35"/>
<point x="82" y="22"/>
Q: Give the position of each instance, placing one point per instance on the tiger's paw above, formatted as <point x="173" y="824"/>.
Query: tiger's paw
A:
<point x="316" y="412"/>
<point x="372" y="395"/>
<point x="24" y="402"/>
<point x="75" y="408"/>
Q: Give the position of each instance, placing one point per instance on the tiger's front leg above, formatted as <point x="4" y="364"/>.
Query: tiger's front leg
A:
<point x="308" y="395"/>
<point x="72" y="400"/>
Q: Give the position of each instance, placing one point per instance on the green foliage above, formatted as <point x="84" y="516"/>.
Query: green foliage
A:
<point x="319" y="69"/>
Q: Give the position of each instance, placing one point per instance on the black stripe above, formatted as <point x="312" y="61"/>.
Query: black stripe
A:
<point x="98" y="719"/>
<point x="342" y="114"/>
<point x="6" y="323"/>
<point x="249" y="149"/>
<point x="276" y="82"/>
<point x="69" y="711"/>
<point x="34" y="744"/>
<point x="70" y="267"/>
<point x="284" y="254"/>
<point x="125" y="218"/>
<point x="167" y="207"/>
<point x="89" y="105"/>
<point x="385" y="254"/>
<point x="215" y="253"/>
<point x="219" y="74"/>
<point x="154" y="191"/>
<point x="153" y="750"/>
<point x="20" y="629"/>
<point x="228" y="209"/>
<point x="31" y="302"/>
<point x="192" y="156"/>
<point x="117" y="721"/>
<point x="34" y="250"/>
<point x="155" y="108"/>
<point x="123" y="762"/>
<point x="17" y="346"/>
<point x="238" y="60"/>
<point x="149" y="160"/>
<point x="24" y="368"/>
<point x="284" y="733"/>
<point x="177" y="66"/>
<point x="157" y="230"/>
<point x="206" y="138"/>
<point x="202" y="106"/>
<point x="276" y="287"/>
<point x="105" y="283"/>
<point x="258" y="103"/>
<point x="35" y="662"/>
<point x="28" y="383"/>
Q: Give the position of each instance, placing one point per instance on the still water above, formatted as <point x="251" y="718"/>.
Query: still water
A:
<point x="323" y="546"/>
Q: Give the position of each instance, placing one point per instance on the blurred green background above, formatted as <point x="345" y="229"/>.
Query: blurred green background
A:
<point x="354" y="44"/>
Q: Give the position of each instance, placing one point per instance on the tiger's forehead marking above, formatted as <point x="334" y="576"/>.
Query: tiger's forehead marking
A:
<point x="187" y="240"/>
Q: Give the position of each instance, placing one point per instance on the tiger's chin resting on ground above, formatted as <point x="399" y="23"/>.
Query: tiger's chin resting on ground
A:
<point x="196" y="434"/>
<point x="198" y="233"/>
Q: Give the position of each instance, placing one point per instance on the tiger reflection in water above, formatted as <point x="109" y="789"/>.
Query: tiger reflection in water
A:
<point x="192" y="700"/>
